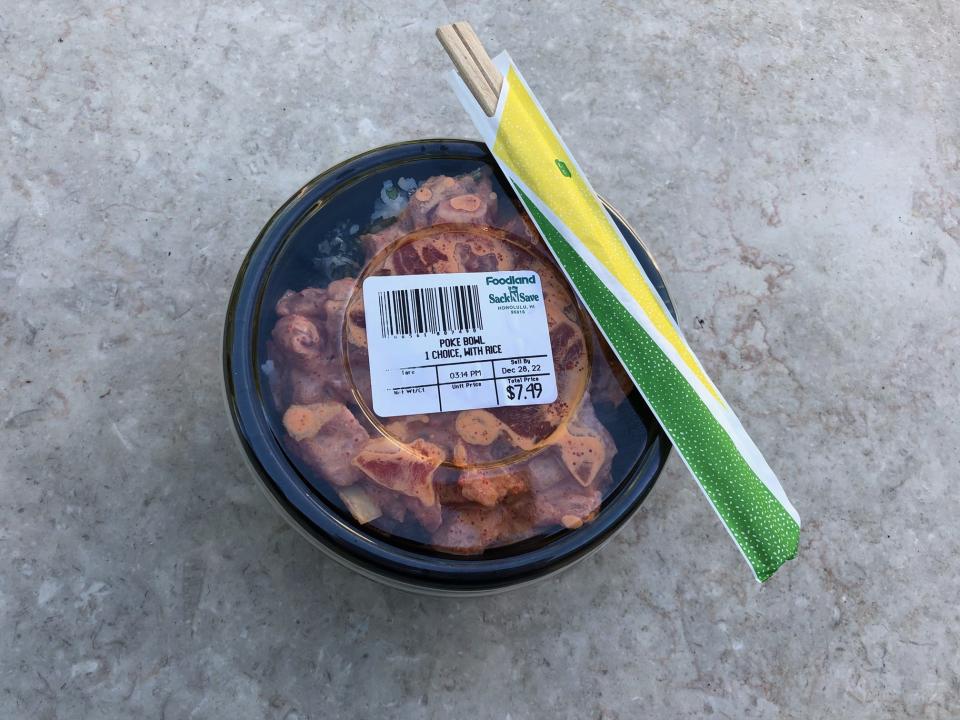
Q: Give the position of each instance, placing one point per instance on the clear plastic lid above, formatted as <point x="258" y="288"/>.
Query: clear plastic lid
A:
<point x="465" y="482"/>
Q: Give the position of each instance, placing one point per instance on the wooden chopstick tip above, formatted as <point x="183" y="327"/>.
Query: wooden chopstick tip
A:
<point x="472" y="62"/>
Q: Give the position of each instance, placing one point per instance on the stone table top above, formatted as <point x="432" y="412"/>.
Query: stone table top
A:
<point x="794" y="167"/>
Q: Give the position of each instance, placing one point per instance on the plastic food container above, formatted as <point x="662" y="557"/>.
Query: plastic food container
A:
<point x="416" y="386"/>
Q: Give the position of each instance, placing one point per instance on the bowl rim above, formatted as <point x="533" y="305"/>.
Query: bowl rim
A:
<point x="309" y="512"/>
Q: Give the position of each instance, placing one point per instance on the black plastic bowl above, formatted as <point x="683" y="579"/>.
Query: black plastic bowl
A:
<point x="311" y="512"/>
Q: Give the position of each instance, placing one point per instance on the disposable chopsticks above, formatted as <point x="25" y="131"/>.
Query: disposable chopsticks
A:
<point x="600" y="264"/>
<point x="473" y="63"/>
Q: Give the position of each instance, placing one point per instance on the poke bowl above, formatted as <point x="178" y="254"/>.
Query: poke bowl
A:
<point x="491" y="462"/>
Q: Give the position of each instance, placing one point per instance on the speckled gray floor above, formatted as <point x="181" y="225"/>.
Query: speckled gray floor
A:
<point x="794" y="165"/>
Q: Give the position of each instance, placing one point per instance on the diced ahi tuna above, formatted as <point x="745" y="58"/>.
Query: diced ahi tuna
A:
<point x="564" y="504"/>
<point x="426" y="198"/>
<point x="476" y="254"/>
<point x="478" y="427"/>
<point x="406" y="469"/>
<point x="406" y="428"/>
<point x="297" y="336"/>
<point x="309" y="302"/>
<point x="489" y="487"/>
<point x="337" y="295"/>
<point x="449" y="492"/>
<point x="317" y="378"/>
<point x="528" y="425"/>
<point x="327" y="437"/>
<point x="375" y="242"/>
<point x="391" y="503"/>
<point x="398" y="507"/>
<point x="422" y="256"/>
<point x="524" y="232"/>
<point x="429" y="516"/>
<point x="470" y="530"/>
<point x="477" y="208"/>
<point x="586" y="446"/>
<point x="610" y="382"/>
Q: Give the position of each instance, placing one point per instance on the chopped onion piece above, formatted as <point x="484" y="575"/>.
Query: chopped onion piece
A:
<point x="360" y="504"/>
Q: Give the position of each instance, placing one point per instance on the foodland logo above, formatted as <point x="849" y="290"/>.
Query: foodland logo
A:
<point x="512" y="280"/>
<point x="513" y="294"/>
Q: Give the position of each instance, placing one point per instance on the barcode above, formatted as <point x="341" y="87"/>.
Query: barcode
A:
<point x="430" y="311"/>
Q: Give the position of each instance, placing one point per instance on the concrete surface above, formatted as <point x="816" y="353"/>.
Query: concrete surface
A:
<point x="794" y="166"/>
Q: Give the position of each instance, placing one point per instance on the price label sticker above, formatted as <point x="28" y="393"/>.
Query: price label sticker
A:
<point x="457" y="341"/>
